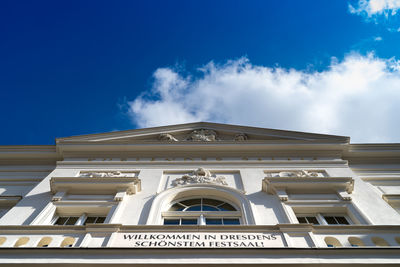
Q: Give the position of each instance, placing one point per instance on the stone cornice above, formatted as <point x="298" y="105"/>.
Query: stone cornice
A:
<point x="30" y="155"/>
<point x="372" y="153"/>
<point x="190" y="228"/>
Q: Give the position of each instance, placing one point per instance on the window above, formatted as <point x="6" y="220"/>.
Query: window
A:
<point x="308" y="219"/>
<point x="323" y="219"/>
<point x="180" y="221"/>
<point x="340" y="220"/>
<point x="201" y="211"/>
<point x="92" y="219"/>
<point x="202" y="204"/>
<point x="78" y="220"/>
<point x="66" y="221"/>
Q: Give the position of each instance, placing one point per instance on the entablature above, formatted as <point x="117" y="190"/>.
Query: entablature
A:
<point x="94" y="185"/>
<point x="305" y="181"/>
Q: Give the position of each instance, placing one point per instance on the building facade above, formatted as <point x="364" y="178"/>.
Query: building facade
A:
<point x="200" y="194"/>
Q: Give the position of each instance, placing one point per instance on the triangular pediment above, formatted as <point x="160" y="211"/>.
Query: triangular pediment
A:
<point x="203" y="132"/>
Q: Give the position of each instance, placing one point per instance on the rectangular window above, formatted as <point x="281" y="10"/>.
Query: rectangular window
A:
<point x="92" y="219"/>
<point x="323" y="219"/>
<point x="183" y="221"/>
<point x="66" y="221"/>
<point x="172" y="221"/>
<point x="188" y="221"/>
<point x="222" y="221"/>
<point x="308" y="219"/>
<point x="208" y="221"/>
<point x="230" y="221"/>
<point x="339" y="220"/>
<point x="213" y="221"/>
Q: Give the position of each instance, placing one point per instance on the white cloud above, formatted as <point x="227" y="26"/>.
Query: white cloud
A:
<point x="376" y="7"/>
<point x="378" y="39"/>
<point x="358" y="97"/>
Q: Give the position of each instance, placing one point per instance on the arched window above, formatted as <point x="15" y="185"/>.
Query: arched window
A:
<point x="211" y="201"/>
<point x="201" y="211"/>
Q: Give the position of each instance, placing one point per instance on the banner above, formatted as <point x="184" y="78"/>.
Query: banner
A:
<point x="197" y="240"/>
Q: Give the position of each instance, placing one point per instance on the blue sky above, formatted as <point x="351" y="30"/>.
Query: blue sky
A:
<point x="80" y="67"/>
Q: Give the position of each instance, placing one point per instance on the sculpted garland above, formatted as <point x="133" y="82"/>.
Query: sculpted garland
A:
<point x="297" y="174"/>
<point x="103" y="174"/>
<point x="199" y="176"/>
<point x="201" y="135"/>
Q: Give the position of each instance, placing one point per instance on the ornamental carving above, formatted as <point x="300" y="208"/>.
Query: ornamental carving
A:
<point x="167" y="137"/>
<point x="103" y="174"/>
<point x="202" y="135"/>
<point x="241" y="137"/>
<point x="200" y="176"/>
<point x="297" y="174"/>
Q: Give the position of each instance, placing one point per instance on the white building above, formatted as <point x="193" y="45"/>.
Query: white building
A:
<point x="203" y="194"/>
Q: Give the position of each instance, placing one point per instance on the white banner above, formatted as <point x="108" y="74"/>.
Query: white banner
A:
<point x="197" y="240"/>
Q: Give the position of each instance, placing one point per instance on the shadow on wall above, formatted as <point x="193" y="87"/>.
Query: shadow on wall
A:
<point x="270" y="202"/>
<point x="144" y="215"/>
<point x="37" y="201"/>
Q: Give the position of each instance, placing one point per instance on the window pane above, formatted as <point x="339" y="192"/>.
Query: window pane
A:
<point x="191" y="202"/>
<point x="312" y="220"/>
<point x="171" y="221"/>
<point x="226" y="207"/>
<point x="188" y="221"/>
<point x="302" y="219"/>
<point x="231" y="221"/>
<point x="330" y="220"/>
<point x="342" y="220"/>
<point x="209" y="208"/>
<point x="211" y="202"/>
<point x="177" y="207"/>
<point x="194" y="208"/>
<point x="71" y="220"/>
<point x="100" y="219"/>
<point x="212" y="221"/>
<point x="90" y="220"/>
<point x="61" y="220"/>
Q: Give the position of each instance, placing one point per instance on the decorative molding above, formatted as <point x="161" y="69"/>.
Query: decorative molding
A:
<point x="59" y="195"/>
<point x="241" y="137"/>
<point x="343" y="186"/>
<point x="95" y="185"/>
<point x="297" y="174"/>
<point x="199" y="176"/>
<point x="104" y="174"/>
<point x="202" y="135"/>
<point x="167" y="137"/>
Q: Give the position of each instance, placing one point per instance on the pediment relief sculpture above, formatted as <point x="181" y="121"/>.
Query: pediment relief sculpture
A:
<point x="297" y="174"/>
<point x="241" y="137"/>
<point x="202" y="135"/>
<point x="167" y="137"/>
<point x="199" y="176"/>
<point x="104" y="174"/>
